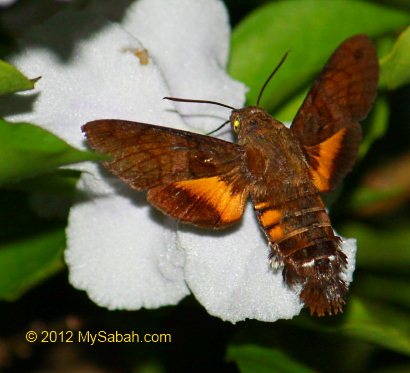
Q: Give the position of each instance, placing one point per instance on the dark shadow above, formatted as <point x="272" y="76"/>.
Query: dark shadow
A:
<point x="67" y="24"/>
<point x="17" y="104"/>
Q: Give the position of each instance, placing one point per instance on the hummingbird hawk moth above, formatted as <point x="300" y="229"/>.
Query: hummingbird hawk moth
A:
<point x="206" y="182"/>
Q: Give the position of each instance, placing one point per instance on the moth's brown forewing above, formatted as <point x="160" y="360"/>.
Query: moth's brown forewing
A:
<point x="194" y="178"/>
<point x="206" y="181"/>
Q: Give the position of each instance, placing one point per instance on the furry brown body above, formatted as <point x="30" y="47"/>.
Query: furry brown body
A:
<point x="290" y="210"/>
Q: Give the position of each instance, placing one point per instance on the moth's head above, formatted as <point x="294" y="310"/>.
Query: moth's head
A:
<point x="244" y="118"/>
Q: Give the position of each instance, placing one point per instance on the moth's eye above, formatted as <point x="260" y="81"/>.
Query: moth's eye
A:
<point x="236" y="125"/>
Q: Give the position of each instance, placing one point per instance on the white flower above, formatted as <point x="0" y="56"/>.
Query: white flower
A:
<point x="122" y="252"/>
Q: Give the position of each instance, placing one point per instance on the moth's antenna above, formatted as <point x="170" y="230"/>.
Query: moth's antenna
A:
<point x="203" y="102"/>
<point x="217" y="129"/>
<point x="270" y="76"/>
<point x="198" y="102"/>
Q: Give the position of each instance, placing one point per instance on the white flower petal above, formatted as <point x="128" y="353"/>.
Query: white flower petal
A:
<point x="118" y="254"/>
<point x="117" y="251"/>
<point x="229" y="273"/>
<point x="349" y="247"/>
<point x="190" y="37"/>
<point x="98" y="78"/>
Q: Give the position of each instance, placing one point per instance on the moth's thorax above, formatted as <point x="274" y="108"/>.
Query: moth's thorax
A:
<point x="273" y="155"/>
<point x="252" y="119"/>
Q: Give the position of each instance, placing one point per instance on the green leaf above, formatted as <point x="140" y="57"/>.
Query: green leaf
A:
<point x="369" y="321"/>
<point x="26" y="262"/>
<point x="374" y="322"/>
<point x="287" y="111"/>
<point x="395" y="67"/>
<point x="364" y="197"/>
<point x="311" y="30"/>
<point x="60" y="182"/>
<point x="256" y="359"/>
<point x="395" y="290"/>
<point x="12" y="80"/>
<point x="28" y="150"/>
<point x="382" y="249"/>
<point x="376" y="125"/>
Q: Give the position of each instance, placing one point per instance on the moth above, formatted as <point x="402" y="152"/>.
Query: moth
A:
<point x="205" y="181"/>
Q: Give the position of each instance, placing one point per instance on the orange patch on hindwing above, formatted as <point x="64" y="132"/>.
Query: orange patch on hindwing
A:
<point x="207" y="202"/>
<point x="325" y="154"/>
<point x="217" y="193"/>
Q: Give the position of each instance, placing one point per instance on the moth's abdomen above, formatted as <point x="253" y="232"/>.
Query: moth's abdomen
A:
<point x="303" y="242"/>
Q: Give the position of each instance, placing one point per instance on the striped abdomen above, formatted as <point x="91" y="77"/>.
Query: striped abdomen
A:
<point x="302" y="240"/>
